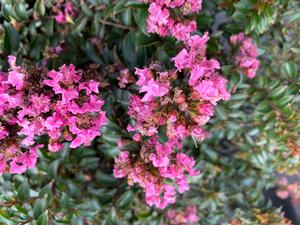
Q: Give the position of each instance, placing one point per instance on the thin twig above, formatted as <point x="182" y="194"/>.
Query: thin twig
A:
<point x="116" y="25"/>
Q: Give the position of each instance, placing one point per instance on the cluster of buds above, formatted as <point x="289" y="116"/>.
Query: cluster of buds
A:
<point x="182" y="99"/>
<point x="158" y="169"/>
<point x="185" y="216"/>
<point x="163" y="21"/>
<point x="36" y="102"/>
<point x="246" y="56"/>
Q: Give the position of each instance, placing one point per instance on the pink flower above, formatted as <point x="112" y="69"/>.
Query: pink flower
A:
<point x="206" y="109"/>
<point x="182" y="31"/>
<point x="124" y="78"/>
<point x="3" y="132"/>
<point x="192" y="6"/>
<point x="144" y="76"/>
<point x="16" y="79"/>
<point x="245" y="58"/>
<point x="154" y="89"/>
<point x="55" y="146"/>
<point x="199" y="133"/>
<point x="182" y="60"/>
<point x="137" y="137"/>
<point x="158" y="19"/>
<point x="60" y="18"/>
<point x="167" y="165"/>
<point x="196" y="73"/>
<point x="183" y="216"/>
<point x="208" y="91"/>
<point x="65" y="13"/>
<point x="3" y="165"/>
<point x="121" y="165"/>
<point x="198" y="43"/>
<point x="25" y="161"/>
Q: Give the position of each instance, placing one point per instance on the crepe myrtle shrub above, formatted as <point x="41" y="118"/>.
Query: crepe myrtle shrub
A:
<point x="151" y="112"/>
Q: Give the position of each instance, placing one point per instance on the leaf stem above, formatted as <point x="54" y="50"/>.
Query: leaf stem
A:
<point x="116" y="25"/>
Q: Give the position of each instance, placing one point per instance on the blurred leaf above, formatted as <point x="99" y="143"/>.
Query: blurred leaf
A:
<point x="23" y="191"/>
<point x="39" y="208"/>
<point x="125" y="200"/>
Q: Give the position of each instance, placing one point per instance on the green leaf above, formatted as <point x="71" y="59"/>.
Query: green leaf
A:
<point x="39" y="207"/>
<point x="129" y="50"/>
<point x="111" y="139"/>
<point x="90" y="52"/>
<point x="80" y="24"/>
<point x="23" y="191"/>
<point x="21" y="11"/>
<point x="227" y="70"/>
<point x="53" y="168"/>
<point x="6" y="10"/>
<point x="264" y="106"/>
<point x="125" y="200"/>
<point x="85" y="9"/>
<point x="11" y="39"/>
<point x="277" y="92"/>
<point x="140" y="17"/>
<point x="136" y="5"/>
<point x="284" y="101"/>
<point x="43" y="219"/>
<point x="119" y="7"/>
<point x="112" y="217"/>
<point x="290" y="69"/>
<point x="36" y="46"/>
<point x="126" y="17"/>
<point x="106" y="179"/>
<point x="39" y="7"/>
<point x="109" y="150"/>
<point x="76" y="220"/>
<point x="220" y="112"/>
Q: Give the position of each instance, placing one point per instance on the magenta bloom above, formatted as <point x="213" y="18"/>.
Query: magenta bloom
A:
<point x="246" y="56"/>
<point x="160" y="18"/>
<point x="168" y="172"/>
<point x="70" y="112"/>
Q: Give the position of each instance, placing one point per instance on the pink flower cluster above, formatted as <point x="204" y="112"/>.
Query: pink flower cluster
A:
<point x="77" y="115"/>
<point x="183" y="216"/>
<point x="55" y="103"/>
<point x="159" y="169"/>
<point x="286" y="189"/>
<point x="246" y="57"/>
<point x="183" y="99"/>
<point x="162" y="22"/>
<point x="64" y="12"/>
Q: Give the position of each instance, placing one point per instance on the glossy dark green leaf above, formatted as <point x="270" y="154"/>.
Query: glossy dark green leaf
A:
<point x="80" y="24"/>
<point x="136" y="5"/>
<point x="125" y="200"/>
<point x="112" y="217"/>
<point x="43" y="219"/>
<point x="20" y="10"/>
<point x="39" y="7"/>
<point x="39" y="208"/>
<point x="290" y="69"/>
<point x="11" y="39"/>
<point x="23" y="191"/>
<point x="6" y="10"/>
<point x="129" y="48"/>
<point x="53" y="168"/>
<point x="140" y="17"/>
